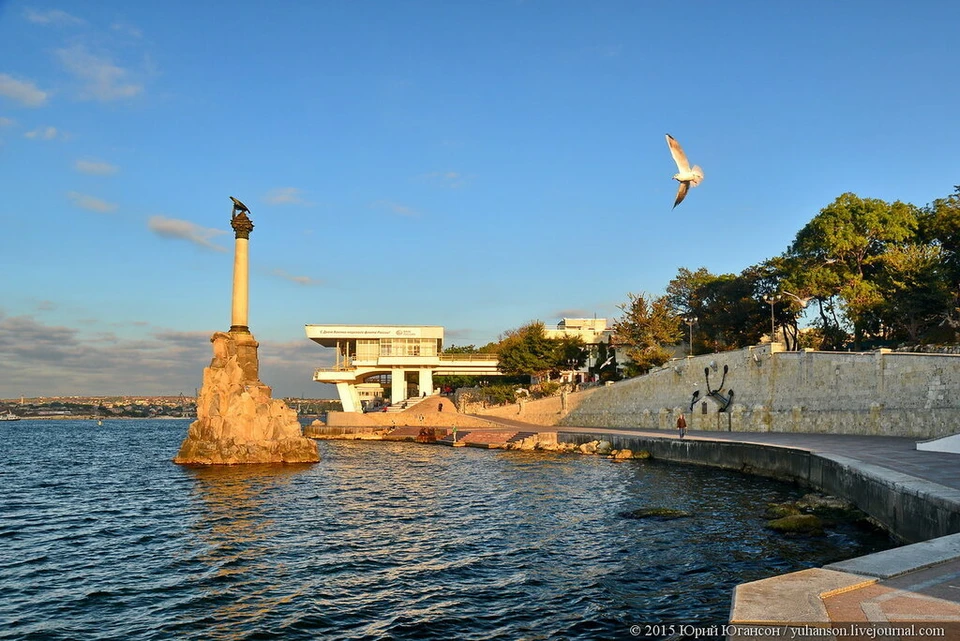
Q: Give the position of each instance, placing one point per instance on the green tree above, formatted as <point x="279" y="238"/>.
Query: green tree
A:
<point x="528" y="351"/>
<point x="683" y="292"/>
<point x="916" y="292"/>
<point x="644" y="329"/>
<point x="939" y="224"/>
<point x="731" y="315"/>
<point x="841" y="249"/>
<point x="470" y="349"/>
<point x="729" y="308"/>
<point x="460" y="349"/>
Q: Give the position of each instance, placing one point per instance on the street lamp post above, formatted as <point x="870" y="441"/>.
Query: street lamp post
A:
<point x="690" y="321"/>
<point x="772" y="300"/>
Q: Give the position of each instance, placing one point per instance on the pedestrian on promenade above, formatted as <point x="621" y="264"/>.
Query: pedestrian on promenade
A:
<point x="440" y="406"/>
<point x="681" y="425"/>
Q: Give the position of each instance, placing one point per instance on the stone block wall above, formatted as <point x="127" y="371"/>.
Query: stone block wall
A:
<point x="883" y="392"/>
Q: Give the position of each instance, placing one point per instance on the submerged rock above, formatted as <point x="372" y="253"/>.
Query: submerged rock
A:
<point x="804" y="524"/>
<point x="830" y="507"/>
<point x="659" y="513"/>
<point x="780" y="510"/>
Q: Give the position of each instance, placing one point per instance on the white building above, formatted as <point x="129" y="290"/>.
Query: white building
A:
<point x="408" y="356"/>
<point x="592" y="331"/>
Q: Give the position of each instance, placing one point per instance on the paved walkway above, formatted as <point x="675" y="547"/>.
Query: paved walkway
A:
<point x="894" y="453"/>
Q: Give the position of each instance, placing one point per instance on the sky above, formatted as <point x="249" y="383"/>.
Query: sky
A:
<point x="475" y="165"/>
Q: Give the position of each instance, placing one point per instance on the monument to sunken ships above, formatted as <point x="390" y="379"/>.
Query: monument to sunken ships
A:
<point x="237" y="420"/>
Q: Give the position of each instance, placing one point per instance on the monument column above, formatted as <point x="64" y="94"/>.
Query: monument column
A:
<point x="238" y="420"/>
<point x="242" y="226"/>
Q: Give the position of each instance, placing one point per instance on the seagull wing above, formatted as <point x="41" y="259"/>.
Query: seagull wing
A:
<point x="681" y="193"/>
<point x="678" y="156"/>
<point x="239" y="204"/>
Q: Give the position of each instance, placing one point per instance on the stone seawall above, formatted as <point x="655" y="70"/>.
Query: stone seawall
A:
<point x="910" y="508"/>
<point x="882" y="393"/>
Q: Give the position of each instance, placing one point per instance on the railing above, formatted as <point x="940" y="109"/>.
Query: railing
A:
<point x="444" y="358"/>
<point x="338" y="368"/>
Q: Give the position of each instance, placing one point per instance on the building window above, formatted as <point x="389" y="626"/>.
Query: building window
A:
<point x="408" y="347"/>
<point x="367" y="349"/>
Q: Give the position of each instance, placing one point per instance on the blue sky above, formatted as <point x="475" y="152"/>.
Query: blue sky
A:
<point x="475" y="165"/>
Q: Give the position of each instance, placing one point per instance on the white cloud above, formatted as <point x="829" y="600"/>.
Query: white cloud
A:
<point x="42" y="133"/>
<point x="91" y="203"/>
<point x="101" y="79"/>
<point x="299" y="280"/>
<point x="185" y="230"/>
<point x="451" y="179"/>
<point x="95" y="167"/>
<point x="7" y="122"/>
<point x="127" y="29"/>
<point x="23" y="91"/>
<point x="286" y="196"/>
<point x="52" y="17"/>
<point x="397" y="208"/>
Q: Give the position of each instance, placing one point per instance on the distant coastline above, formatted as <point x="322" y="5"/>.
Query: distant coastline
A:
<point x="108" y="408"/>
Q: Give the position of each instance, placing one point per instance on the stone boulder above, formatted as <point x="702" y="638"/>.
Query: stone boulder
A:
<point x="237" y="419"/>
<point x="658" y="513"/>
<point x="798" y="524"/>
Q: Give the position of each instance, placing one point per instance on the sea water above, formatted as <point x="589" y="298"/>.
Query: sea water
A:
<point x="103" y="537"/>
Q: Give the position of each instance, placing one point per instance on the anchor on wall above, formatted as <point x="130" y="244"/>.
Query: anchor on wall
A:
<point x="716" y="395"/>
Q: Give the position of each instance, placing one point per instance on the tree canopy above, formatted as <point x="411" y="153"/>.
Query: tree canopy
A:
<point x="863" y="271"/>
<point x="647" y="325"/>
<point x="528" y="351"/>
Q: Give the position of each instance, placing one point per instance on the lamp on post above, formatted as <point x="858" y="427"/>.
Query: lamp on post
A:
<point x="690" y="321"/>
<point x="772" y="300"/>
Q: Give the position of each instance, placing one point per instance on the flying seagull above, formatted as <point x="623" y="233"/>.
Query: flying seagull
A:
<point x="685" y="175"/>
<point x="803" y="301"/>
<point x="238" y="205"/>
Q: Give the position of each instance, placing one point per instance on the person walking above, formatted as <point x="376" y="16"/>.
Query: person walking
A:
<point x="681" y="425"/>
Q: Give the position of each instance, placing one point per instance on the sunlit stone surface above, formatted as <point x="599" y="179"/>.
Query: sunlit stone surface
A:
<point x="237" y="420"/>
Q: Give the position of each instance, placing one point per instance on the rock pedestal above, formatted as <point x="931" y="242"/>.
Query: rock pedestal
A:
<point x="237" y="420"/>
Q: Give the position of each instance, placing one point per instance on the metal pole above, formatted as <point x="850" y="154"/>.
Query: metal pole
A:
<point x="772" y="299"/>
<point x="690" y="321"/>
<point x="773" y="327"/>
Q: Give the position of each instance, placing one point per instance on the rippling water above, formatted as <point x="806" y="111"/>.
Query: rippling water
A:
<point x="102" y="537"/>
